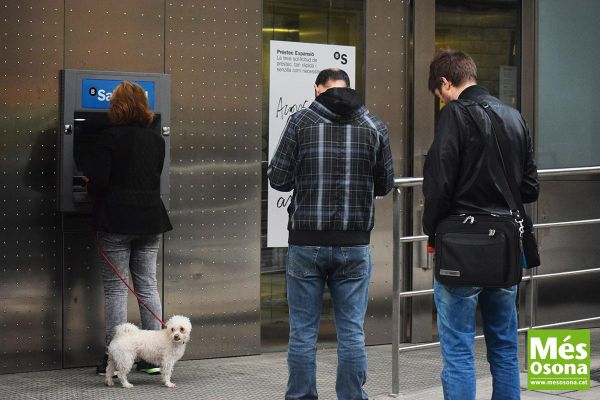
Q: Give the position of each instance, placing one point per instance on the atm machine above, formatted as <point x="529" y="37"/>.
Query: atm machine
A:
<point x="85" y="100"/>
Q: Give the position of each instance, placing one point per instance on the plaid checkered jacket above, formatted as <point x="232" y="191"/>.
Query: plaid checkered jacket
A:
<point x="335" y="165"/>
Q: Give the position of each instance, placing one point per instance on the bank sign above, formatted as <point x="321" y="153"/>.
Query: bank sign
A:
<point x="96" y="93"/>
<point x="558" y="359"/>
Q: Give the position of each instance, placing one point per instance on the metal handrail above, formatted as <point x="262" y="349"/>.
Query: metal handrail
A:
<point x="423" y="292"/>
<point x="422" y="238"/>
<point x="542" y="173"/>
<point x="520" y="330"/>
<point x="398" y="257"/>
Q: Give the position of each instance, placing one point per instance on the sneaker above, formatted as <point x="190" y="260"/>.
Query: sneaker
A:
<point x="101" y="369"/>
<point x="148" y="368"/>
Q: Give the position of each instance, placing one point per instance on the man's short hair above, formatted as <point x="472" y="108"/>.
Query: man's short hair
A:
<point x="332" y="74"/>
<point x="456" y="66"/>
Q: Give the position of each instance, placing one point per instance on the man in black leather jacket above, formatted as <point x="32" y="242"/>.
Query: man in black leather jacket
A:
<point x="458" y="179"/>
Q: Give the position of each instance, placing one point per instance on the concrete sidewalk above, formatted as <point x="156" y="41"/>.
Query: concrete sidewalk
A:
<point x="263" y="377"/>
<point x="484" y="391"/>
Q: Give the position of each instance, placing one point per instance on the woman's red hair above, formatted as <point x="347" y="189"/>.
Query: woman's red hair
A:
<point x="129" y="105"/>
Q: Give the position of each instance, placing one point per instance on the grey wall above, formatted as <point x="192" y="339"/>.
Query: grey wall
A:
<point x="211" y="259"/>
<point x="385" y="95"/>
<point x="31" y="55"/>
<point x="568" y="249"/>
<point x="568" y="85"/>
<point x="50" y="292"/>
<point x="566" y="135"/>
<point x="113" y="36"/>
<point x="212" y="256"/>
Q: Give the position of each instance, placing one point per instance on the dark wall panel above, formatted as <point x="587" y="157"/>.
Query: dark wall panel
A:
<point x="31" y="55"/>
<point x="568" y="249"/>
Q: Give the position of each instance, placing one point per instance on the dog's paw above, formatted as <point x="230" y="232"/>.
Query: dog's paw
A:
<point x="170" y="384"/>
<point x="127" y="385"/>
<point x="109" y="382"/>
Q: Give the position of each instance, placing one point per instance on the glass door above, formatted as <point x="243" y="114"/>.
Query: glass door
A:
<point x="490" y="31"/>
<point x="310" y="21"/>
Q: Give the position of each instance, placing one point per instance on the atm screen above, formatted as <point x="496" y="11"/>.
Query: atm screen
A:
<point x="87" y="128"/>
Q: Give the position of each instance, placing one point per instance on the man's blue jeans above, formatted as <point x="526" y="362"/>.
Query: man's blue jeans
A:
<point x="347" y="271"/>
<point x="456" y="308"/>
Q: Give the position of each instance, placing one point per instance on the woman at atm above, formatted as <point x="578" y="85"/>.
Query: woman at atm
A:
<point x="128" y="214"/>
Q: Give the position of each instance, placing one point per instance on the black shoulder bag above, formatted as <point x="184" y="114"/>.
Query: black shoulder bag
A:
<point x="482" y="249"/>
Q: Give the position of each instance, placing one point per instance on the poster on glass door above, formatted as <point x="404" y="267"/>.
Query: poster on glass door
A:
<point x="293" y="69"/>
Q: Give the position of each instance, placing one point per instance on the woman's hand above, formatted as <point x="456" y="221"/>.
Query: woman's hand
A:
<point x="85" y="180"/>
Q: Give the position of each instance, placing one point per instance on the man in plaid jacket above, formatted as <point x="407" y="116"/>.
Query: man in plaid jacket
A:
<point x="335" y="156"/>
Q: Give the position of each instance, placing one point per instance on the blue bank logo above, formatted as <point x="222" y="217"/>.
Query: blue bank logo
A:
<point x="96" y="93"/>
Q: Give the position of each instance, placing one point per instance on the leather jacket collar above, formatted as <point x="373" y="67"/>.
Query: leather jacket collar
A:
<point x="473" y="93"/>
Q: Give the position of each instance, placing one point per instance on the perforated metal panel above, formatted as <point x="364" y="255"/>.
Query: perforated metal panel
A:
<point x="83" y="304"/>
<point x="212" y="255"/>
<point x="385" y="96"/>
<point x="31" y="48"/>
<point x="118" y="36"/>
<point x="115" y="35"/>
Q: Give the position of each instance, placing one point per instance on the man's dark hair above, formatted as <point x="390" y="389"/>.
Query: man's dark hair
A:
<point x="453" y="65"/>
<point x="332" y="74"/>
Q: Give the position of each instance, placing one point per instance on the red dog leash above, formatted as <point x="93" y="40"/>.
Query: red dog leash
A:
<point x="110" y="264"/>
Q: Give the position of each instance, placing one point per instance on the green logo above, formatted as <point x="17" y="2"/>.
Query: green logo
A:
<point x="558" y="359"/>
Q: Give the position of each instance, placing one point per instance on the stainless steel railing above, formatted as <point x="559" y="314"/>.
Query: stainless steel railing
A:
<point x="399" y="261"/>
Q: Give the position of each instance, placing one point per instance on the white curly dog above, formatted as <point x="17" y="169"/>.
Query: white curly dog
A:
<point x="163" y="348"/>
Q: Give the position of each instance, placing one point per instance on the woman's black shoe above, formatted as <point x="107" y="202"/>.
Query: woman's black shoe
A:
<point x="101" y="369"/>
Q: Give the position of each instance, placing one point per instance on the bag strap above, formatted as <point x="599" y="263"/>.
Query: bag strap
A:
<point x="513" y="194"/>
<point x="510" y="192"/>
<point x="505" y="184"/>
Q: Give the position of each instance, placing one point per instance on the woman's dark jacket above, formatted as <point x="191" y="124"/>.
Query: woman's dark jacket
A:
<point x="125" y="181"/>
